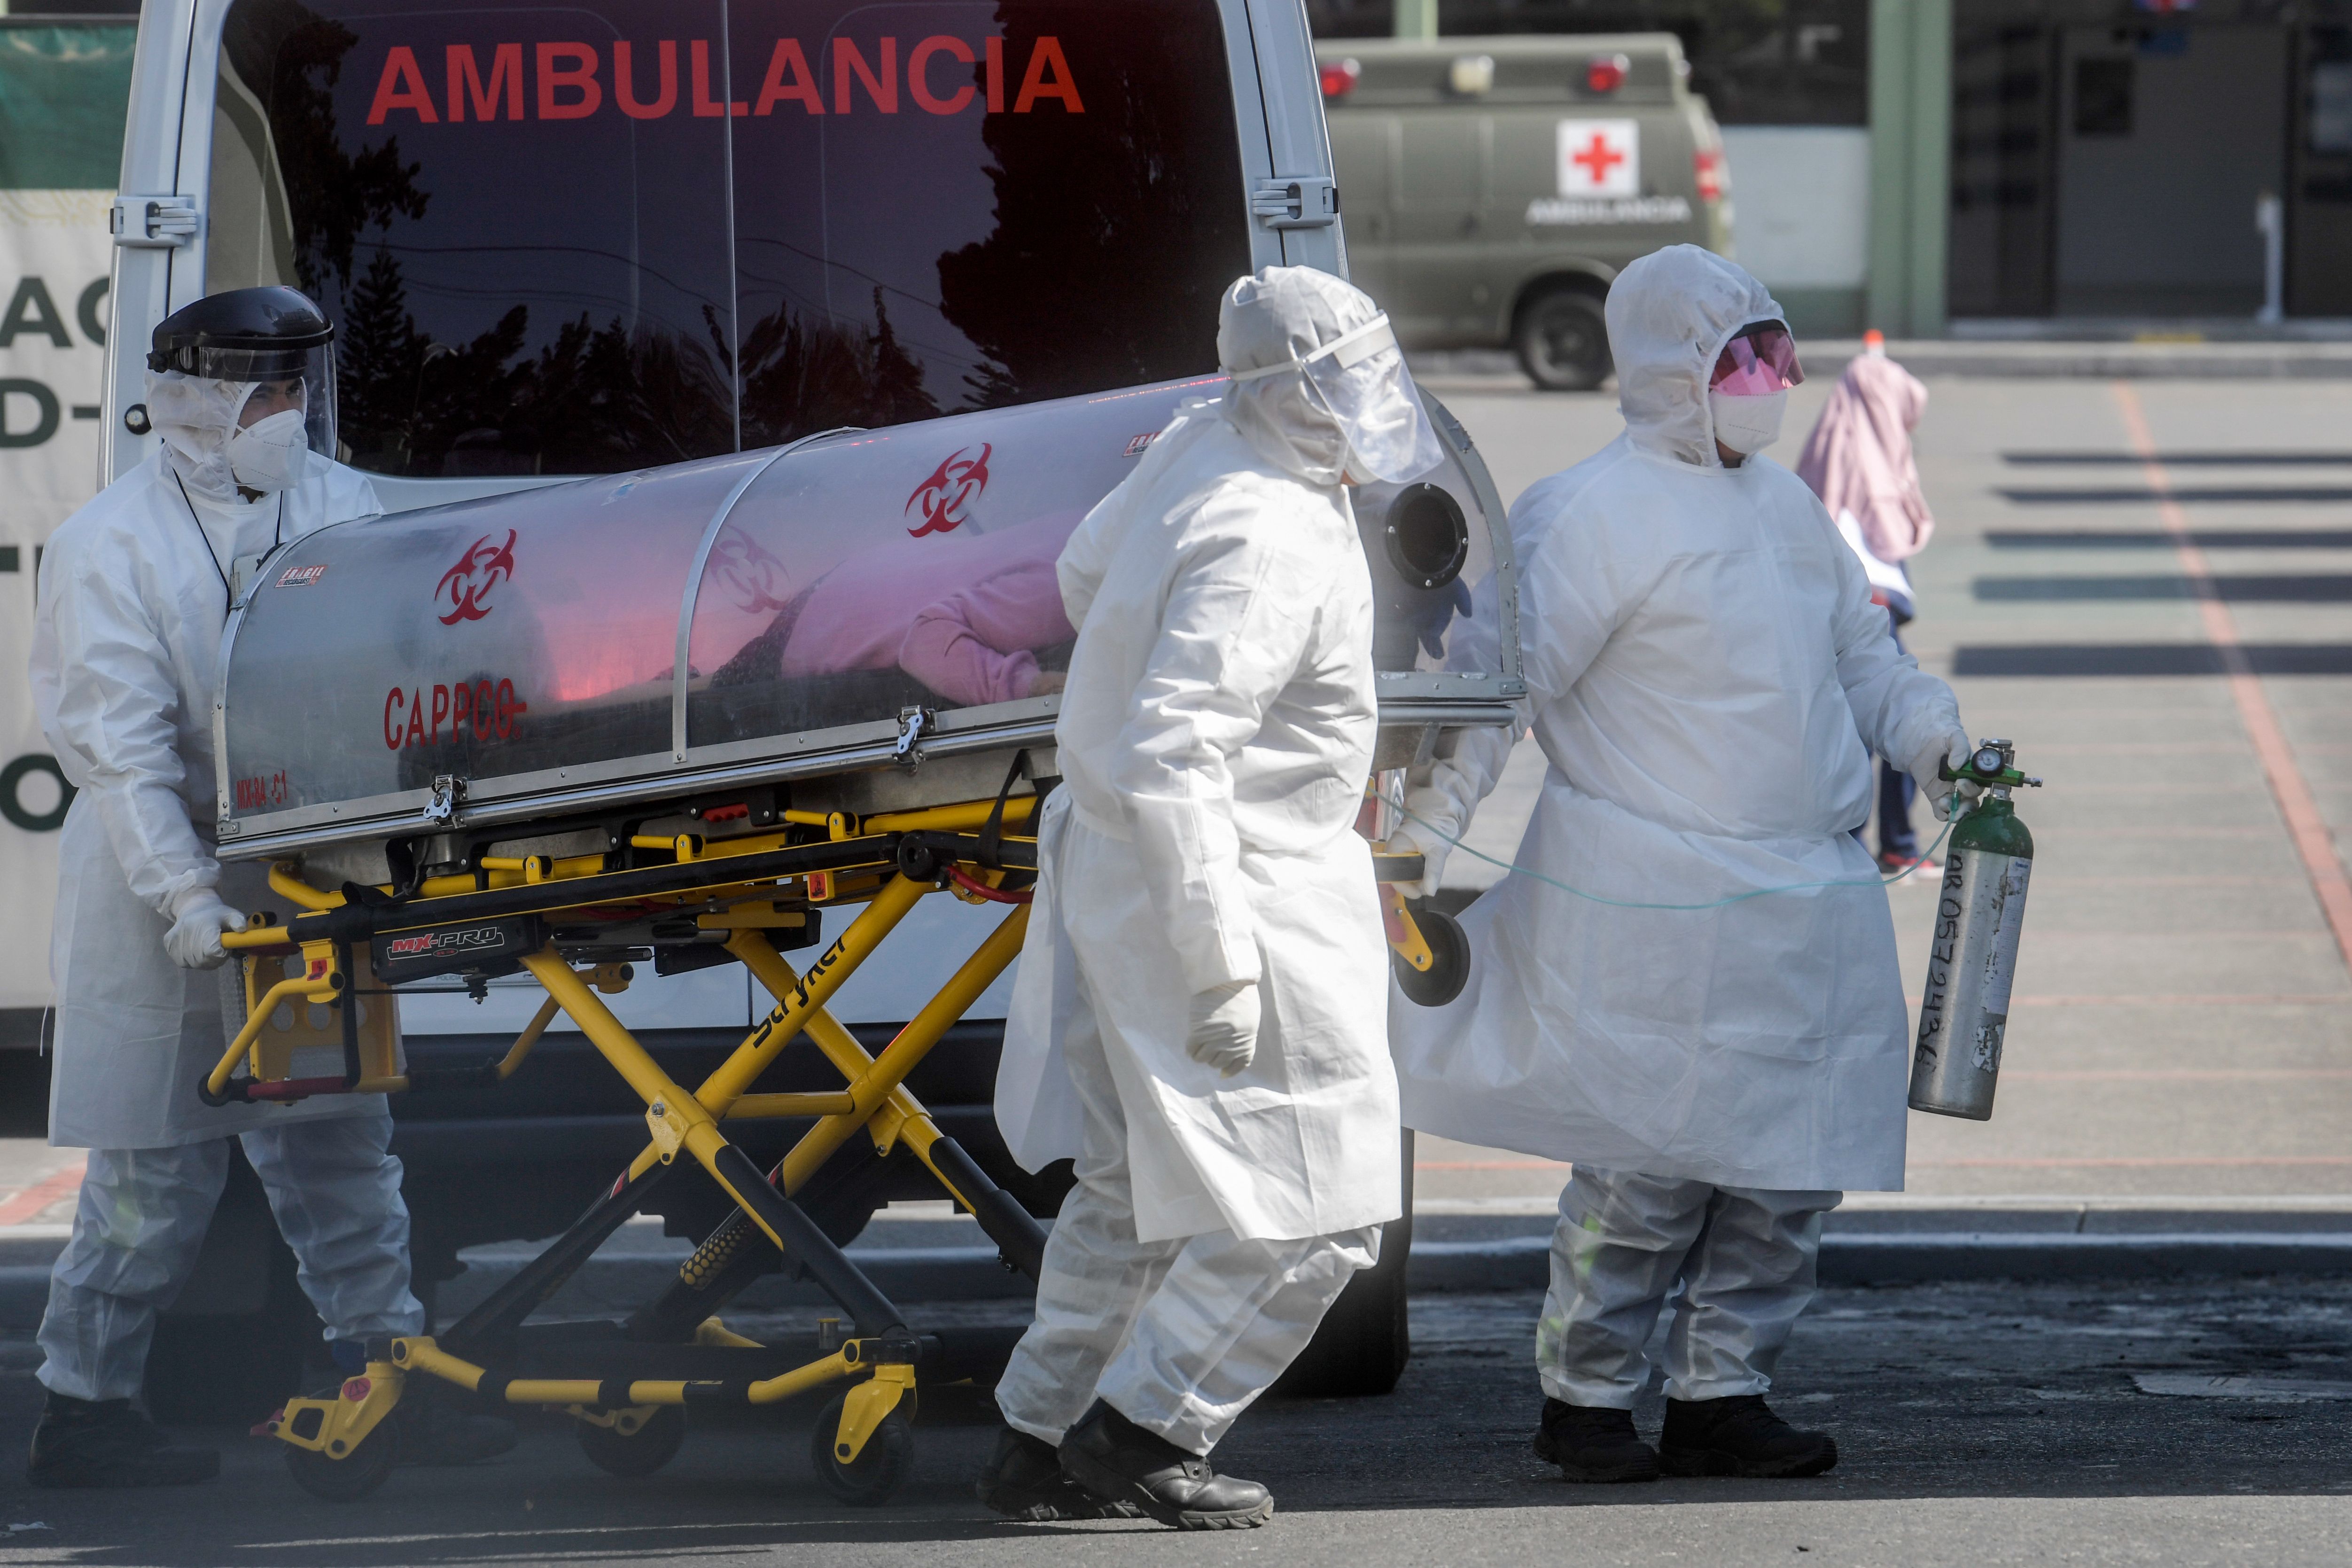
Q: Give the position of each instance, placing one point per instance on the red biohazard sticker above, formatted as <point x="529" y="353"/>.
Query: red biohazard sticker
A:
<point x="466" y="587"/>
<point x="945" y="499"/>
<point x="301" y="576"/>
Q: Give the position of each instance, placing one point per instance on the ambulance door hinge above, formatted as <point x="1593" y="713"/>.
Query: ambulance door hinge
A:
<point x="153" y="223"/>
<point x="914" y="724"/>
<point x="1295" y="201"/>
<point x="441" y="809"/>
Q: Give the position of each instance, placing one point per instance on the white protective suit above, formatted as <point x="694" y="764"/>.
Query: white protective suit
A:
<point x="134" y="591"/>
<point x="1708" y="678"/>
<point x="1739" y="1262"/>
<point x="1214" y="738"/>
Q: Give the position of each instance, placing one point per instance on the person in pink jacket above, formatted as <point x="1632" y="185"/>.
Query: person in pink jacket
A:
<point x="1858" y="460"/>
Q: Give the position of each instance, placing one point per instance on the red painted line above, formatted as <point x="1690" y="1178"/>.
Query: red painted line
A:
<point x="2304" y="824"/>
<point x="21" y="1206"/>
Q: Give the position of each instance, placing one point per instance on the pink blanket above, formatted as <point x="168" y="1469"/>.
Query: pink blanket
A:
<point x="961" y="616"/>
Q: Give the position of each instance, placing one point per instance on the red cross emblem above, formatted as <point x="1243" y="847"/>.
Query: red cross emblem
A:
<point x="1598" y="157"/>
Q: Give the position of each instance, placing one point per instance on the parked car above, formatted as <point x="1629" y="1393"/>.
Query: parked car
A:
<point x="1494" y="187"/>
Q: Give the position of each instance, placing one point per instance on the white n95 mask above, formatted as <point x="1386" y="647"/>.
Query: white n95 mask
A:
<point x="1748" y="423"/>
<point x="266" y="455"/>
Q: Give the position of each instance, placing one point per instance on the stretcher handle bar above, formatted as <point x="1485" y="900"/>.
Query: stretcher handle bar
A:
<point x="287" y="1090"/>
<point x="794" y="1234"/>
<point x="950" y="819"/>
<point x="257" y="933"/>
<point x="914" y="1042"/>
<point x="215" y="1090"/>
<point x="423" y="1355"/>
<point x="295" y="891"/>
<point x="354" y="921"/>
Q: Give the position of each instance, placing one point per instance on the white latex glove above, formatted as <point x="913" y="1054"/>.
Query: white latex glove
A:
<point x="1411" y="838"/>
<point x="195" y="939"/>
<point x="1221" y="1032"/>
<point x="1956" y="749"/>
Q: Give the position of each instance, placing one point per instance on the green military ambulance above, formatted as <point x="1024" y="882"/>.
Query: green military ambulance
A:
<point x="1492" y="186"/>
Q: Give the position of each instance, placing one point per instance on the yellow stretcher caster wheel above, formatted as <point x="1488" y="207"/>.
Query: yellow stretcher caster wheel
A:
<point x="1449" y="952"/>
<point x="638" y="1453"/>
<point x="354" y="1475"/>
<point x="868" y="1480"/>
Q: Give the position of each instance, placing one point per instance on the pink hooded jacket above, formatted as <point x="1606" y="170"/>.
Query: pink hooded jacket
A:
<point x="1858" y="458"/>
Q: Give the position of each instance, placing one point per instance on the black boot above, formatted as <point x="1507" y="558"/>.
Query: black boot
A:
<point x="435" y="1430"/>
<point x="1738" y="1437"/>
<point x="1024" y="1480"/>
<point x="107" y="1443"/>
<point x="1593" y="1444"/>
<point x="1119" y="1461"/>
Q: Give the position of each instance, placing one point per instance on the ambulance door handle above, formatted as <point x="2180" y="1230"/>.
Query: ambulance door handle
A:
<point x="153" y="223"/>
<point x="1301" y="201"/>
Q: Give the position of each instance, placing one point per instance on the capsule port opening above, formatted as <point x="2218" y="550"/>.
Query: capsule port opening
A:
<point x="1428" y="538"/>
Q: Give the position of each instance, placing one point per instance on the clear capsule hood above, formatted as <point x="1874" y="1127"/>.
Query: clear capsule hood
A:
<point x="775" y="614"/>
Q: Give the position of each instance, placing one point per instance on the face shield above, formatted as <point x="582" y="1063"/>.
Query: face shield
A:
<point x="271" y="353"/>
<point x="1359" y="378"/>
<point x="295" y="387"/>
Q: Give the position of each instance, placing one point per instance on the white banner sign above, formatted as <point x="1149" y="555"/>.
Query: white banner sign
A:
<point x="54" y="257"/>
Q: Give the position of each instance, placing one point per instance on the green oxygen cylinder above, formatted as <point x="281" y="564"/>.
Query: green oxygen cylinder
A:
<point x="1980" y="912"/>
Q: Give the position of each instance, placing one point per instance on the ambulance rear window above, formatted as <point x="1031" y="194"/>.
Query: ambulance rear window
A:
<point x="605" y="235"/>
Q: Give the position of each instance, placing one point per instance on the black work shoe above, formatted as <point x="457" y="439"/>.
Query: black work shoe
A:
<point x="1738" y="1437"/>
<point x="1593" y="1444"/>
<point x="107" y="1443"/>
<point x="1119" y="1461"/>
<point x="435" y="1431"/>
<point x="1024" y="1480"/>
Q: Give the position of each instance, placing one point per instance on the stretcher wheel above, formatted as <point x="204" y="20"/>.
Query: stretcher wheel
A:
<point x="639" y="1453"/>
<point x="1449" y="952"/>
<point x="868" y="1481"/>
<point x="354" y="1475"/>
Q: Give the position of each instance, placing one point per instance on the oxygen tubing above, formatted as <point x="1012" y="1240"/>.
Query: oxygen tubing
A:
<point x="1719" y="903"/>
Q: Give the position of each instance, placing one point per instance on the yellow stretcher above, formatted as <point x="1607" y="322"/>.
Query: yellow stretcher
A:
<point x="630" y="1388"/>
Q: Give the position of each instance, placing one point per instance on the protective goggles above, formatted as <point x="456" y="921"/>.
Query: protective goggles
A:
<point x="1760" y="358"/>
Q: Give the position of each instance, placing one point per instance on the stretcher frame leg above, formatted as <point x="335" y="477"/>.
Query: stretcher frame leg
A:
<point x="874" y="1099"/>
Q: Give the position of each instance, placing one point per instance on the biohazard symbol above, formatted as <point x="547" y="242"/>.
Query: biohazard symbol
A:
<point x="466" y="584"/>
<point x="752" y="577"/>
<point x="946" y="497"/>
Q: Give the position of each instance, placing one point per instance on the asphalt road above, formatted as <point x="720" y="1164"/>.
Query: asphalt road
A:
<point x="1980" y="1425"/>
